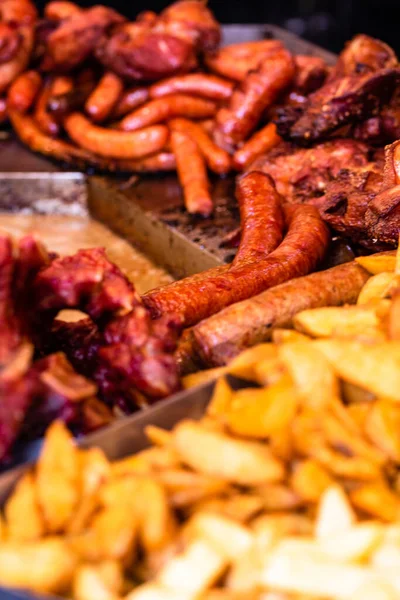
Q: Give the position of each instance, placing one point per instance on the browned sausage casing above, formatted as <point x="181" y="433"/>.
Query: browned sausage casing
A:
<point x="252" y="97"/>
<point x="303" y="247"/>
<point x="198" y="84"/>
<point x="222" y="336"/>
<point x="23" y="91"/>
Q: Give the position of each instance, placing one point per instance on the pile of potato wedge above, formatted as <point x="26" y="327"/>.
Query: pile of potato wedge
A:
<point x="288" y="490"/>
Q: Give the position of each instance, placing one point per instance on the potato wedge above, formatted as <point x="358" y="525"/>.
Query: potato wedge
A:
<point x="24" y="520"/>
<point x="260" y="413"/>
<point x="374" y="367"/>
<point x="331" y="320"/>
<point x="58" y="478"/>
<point x="378" y="263"/>
<point x="213" y="453"/>
<point x="45" y="566"/>
<point x="334" y="513"/>
<point x="376" y="288"/>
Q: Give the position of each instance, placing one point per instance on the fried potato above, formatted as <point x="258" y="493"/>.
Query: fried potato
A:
<point x="375" y="590"/>
<point x="374" y="367"/>
<point x="300" y="571"/>
<point x="382" y="425"/>
<point x="244" y="364"/>
<point x="278" y="497"/>
<point x="193" y="571"/>
<point x="23" y="517"/>
<point x="45" y="566"/>
<point x="229" y="538"/>
<point x="352" y="545"/>
<point x="217" y="454"/>
<point x="95" y="470"/>
<point x="310" y="480"/>
<point x="57" y="478"/>
<point x="158" y="436"/>
<point x="334" y="513"/>
<point x="334" y="320"/>
<point x="98" y="582"/>
<point x="376" y="288"/>
<point x="185" y="488"/>
<point x="260" y="413"/>
<point x="312" y="374"/>
<point x="283" y="336"/>
<point x="202" y="377"/>
<point x="240" y="507"/>
<point x="156" y="523"/>
<point x="378" y="263"/>
<point x="394" y="318"/>
<point x="221" y="399"/>
<point x="377" y="500"/>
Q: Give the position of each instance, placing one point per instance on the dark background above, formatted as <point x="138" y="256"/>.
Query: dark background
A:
<point x="328" y="23"/>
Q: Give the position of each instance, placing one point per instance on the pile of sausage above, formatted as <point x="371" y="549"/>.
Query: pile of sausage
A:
<point x="89" y="87"/>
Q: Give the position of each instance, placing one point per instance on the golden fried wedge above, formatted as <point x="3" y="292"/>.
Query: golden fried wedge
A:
<point x="214" y="453"/>
<point x="373" y="367"/>
<point x="24" y="519"/>
<point x="260" y="413"/>
<point x="378" y="263"/>
<point x="57" y="478"/>
<point x="333" y="320"/>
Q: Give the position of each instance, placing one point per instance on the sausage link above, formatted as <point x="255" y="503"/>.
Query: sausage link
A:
<point x="217" y="159"/>
<point x="260" y="142"/>
<point x="197" y="84"/>
<point x="63" y="104"/>
<point x="301" y="250"/>
<point x="163" y="109"/>
<point x="192" y="174"/>
<point x="62" y="84"/>
<point x="43" y="117"/>
<point x="221" y="337"/>
<point x="252" y="97"/>
<point x="112" y="143"/>
<point x="261" y="218"/>
<point x="130" y="100"/>
<point x="104" y="97"/>
<point x="23" y="92"/>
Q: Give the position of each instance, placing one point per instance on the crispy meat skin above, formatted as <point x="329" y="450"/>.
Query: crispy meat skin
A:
<point x="118" y="352"/>
<point x="361" y="84"/>
<point x="357" y="198"/>
<point x="302" y="174"/>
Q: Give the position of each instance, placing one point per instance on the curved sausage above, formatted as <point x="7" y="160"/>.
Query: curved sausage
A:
<point x="217" y="159"/>
<point x="30" y="134"/>
<point x="104" y="97"/>
<point x="197" y="84"/>
<point x="24" y="90"/>
<point x="112" y="143"/>
<point x="252" y="97"/>
<point x="221" y="337"/>
<point x="45" y="119"/>
<point x="162" y="161"/>
<point x="261" y="218"/>
<point x="162" y="109"/>
<point x="130" y="100"/>
<point x="262" y="141"/>
<point x="192" y="174"/>
<point x="301" y="250"/>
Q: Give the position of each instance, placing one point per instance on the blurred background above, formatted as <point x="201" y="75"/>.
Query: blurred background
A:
<point x="328" y="23"/>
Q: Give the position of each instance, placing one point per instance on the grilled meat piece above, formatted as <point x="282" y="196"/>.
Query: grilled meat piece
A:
<point x="361" y="84"/>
